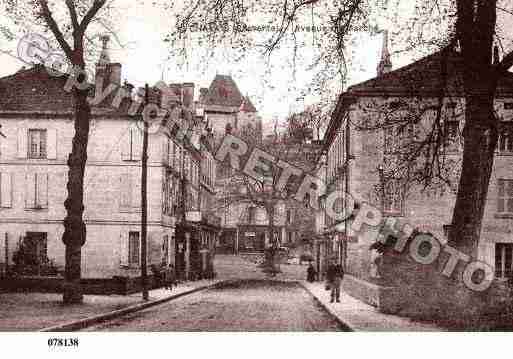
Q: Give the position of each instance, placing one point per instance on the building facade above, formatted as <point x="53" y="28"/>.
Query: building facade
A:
<point x="36" y="113"/>
<point x="355" y="160"/>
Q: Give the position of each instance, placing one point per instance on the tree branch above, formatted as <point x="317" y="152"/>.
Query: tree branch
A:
<point x="50" y="21"/>
<point x="97" y="5"/>
<point x="506" y="63"/>
<point x="73" y="14"/>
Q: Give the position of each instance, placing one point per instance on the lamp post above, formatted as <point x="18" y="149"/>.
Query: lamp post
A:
<point x="144" y="203"/>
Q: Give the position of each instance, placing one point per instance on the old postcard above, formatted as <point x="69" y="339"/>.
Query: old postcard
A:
<point x="255" y="166"/>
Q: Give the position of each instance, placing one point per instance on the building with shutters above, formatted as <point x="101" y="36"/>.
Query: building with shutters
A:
<point x="355" y="160"/>
<point x="36" y="116"/>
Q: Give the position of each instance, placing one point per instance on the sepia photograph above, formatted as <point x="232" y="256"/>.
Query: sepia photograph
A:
<point x="172" y="170"/>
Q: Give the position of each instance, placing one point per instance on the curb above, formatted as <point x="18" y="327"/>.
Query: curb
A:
<point x="87" y="322"/>
<point x="344" y="324"/>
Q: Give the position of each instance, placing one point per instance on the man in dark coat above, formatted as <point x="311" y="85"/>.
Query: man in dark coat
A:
<point x="334" y="276"/>
<point x="311" y="273"/>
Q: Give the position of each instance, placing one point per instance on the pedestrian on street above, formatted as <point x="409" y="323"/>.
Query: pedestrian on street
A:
<point x="170" y="280"/>
<point x="311" y="273"/>
<point x="334" y="276"/>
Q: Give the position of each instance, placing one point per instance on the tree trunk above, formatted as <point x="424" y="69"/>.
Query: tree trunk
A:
<point x="480" y="136"/>
<point x="74" y="235"/>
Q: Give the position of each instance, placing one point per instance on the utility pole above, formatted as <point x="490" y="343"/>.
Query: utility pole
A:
<point x="144" y="202"/>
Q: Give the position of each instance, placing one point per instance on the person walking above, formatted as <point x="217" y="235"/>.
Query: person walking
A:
<point x="334" y="276"/>
<point x="170" y="280"/>
<point x="311" y="273"/>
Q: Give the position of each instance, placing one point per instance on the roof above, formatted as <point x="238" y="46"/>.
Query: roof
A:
<point x="247" y="105"/>
<point x="223" y="92"/>
<point x="424" y="78"/>
<point x="33" y="90"/>
<point x="421" y="78"/>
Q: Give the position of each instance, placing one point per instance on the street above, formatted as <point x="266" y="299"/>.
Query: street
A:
<point x="244" y="305"/>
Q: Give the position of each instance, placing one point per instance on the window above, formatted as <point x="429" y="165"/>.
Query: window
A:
<point x="134" y="246"/>
<point x="508" y="105"/>
<point x="132" y="145"/>
<point x="251" y="215"/>
<point x="165" y="250"/>
<point x="503" y="260"/>
<point x="37" y="143"/>
<point x="169" y="193"/>
<point x="505" y="196"/>
<point x="5" y="190"/>
<point x="393" y="201"/>
<point x="506" y="138"/>
<point x="130" y="191"/>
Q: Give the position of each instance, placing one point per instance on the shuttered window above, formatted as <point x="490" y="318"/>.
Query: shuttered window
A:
<point x="503" y="260"/>
<point x="134" y="246"/>
<point x="5" y="190"/>
<point x="130" y="191"/>
<point x="505" y="196"/>
<point x="132" y="146"/>
<point x="37" y="143"/>
<point x="36" y="190"/>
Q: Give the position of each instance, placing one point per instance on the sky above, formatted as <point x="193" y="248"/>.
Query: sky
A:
<point x="145" y="57"/>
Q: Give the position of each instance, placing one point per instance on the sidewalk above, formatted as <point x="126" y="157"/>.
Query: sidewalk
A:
<point x="35" y="311"/>
<point x="359" y="316"/>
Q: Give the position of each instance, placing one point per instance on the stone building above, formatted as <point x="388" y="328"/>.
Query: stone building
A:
<point x="36" y="114"/>
<point x="225" y="106"/>
<point x="355" y="158"/>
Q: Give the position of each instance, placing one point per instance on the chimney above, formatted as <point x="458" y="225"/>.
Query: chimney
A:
<point x="176" y="89"/>
<point x="104" y="59"/>
<point x="385" y="65"/>
<point x="203" y="95"/>
<point x="128" y="87"/>
<point x="188" y="94"/>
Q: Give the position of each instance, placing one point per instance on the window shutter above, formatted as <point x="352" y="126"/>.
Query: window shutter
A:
<point x="51" y="144"/>
<point x="123" y="249"/>
<point x="125" y="190"/>
<point x="166" y="144"/>
<point x="510" y="196"/>
<point x="6" y="190"/>
<point x="500" y="199"/>
<point x="171" y="153"/>
<point x="125" y="146"/>
<point x="136" y="143"/>
<point x="42" y="190"/>
<point x="22" y="143"/>
<point x="30" y="190"/>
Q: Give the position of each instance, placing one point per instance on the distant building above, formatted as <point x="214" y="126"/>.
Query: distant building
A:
<point x="226" y="107"/>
